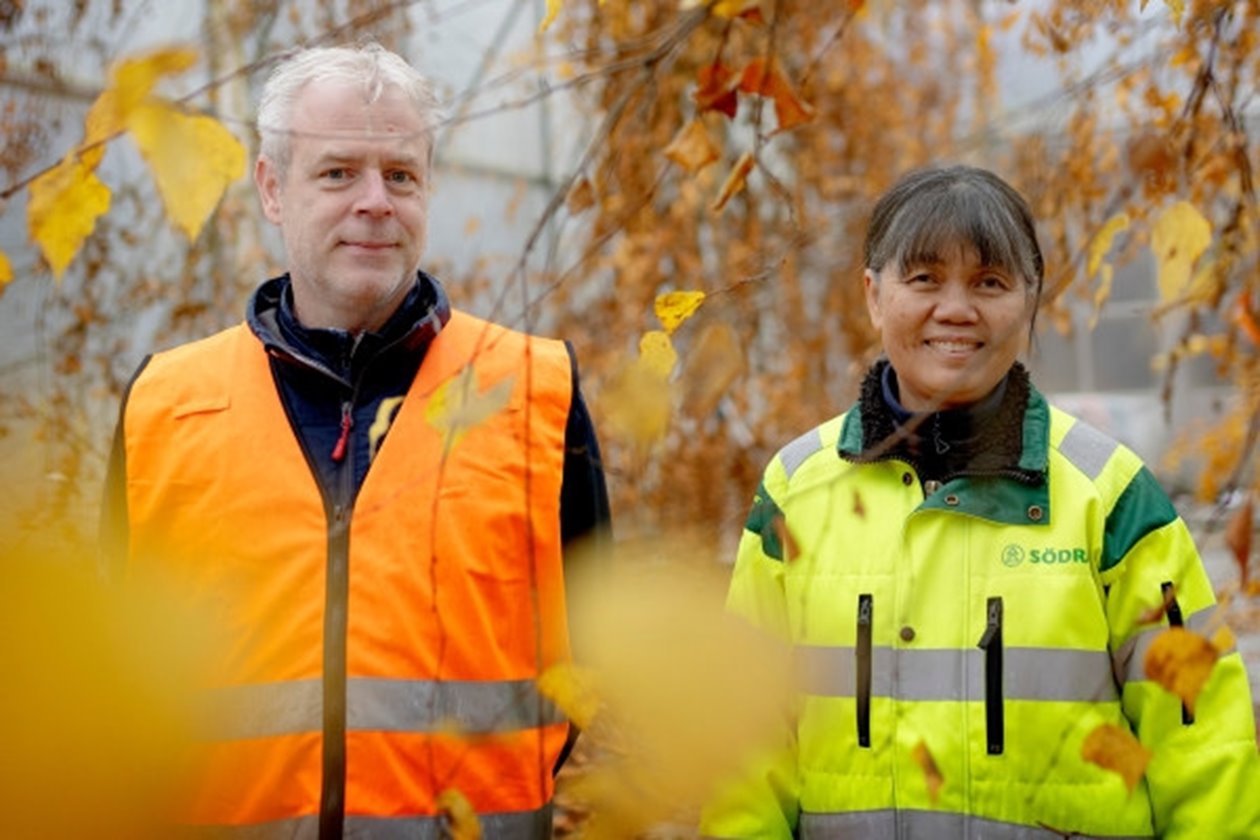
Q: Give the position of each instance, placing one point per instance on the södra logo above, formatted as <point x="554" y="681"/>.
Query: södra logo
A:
<point x="1054" y="556"/>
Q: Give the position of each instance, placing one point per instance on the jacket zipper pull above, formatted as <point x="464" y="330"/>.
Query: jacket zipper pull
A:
<point x="991" y="644"/>
<point x="863" y="655"/>
<point x="347" y="420"/>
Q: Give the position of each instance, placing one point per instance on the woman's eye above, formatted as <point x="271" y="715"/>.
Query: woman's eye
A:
<point x="993" y="281"/>
<point x="920" y="277"/>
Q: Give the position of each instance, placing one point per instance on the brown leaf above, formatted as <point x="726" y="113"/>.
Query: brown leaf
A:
<point x="1155" y="614"/>
<point x="1238" y="538"/>
<point x="735" y="181"/>
<point x="1181" y="661"/>
<point x="791" y="550"/>
<point x="859" y="509"/>
<point x="692" y="148"/>
<point x="713" y="364"/>
<point x="1114" y="748"/>
<point x="931" y="773"/>
<point x="715" y="90"/>
<point x="766" y="79"/>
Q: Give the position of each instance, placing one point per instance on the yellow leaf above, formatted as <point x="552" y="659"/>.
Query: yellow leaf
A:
<point x="1178" y="9"/>
<point x="553" y="9"/>
<point x="657" y="354"/>
<point x="1101" y="243"/>
<point x="130" y="82"/>
<point x="1102" y="293"/>
<point x="1114" y="748"/>
<point x="385" y="413"/>
<point x="1180" y="237"/>
<point x="64" y="204"/>
<point x="734" y="182"/>
<point x="456" y="406"/>
<point x="460" y="816"/>
<point x="6" y="270"/>
<point x="692" y="148"/>
<point x="1223" y="639"/>
<point x="572" y="688"/>
<point x="193" y="160"/>
<point x="672" y="308"/>
<point x="931" y="773"/>
<point x="733" y="8"/>
<point x="1181" y="661"/>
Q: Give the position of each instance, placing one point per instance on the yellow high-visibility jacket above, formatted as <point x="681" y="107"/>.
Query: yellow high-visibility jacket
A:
<point x="974" y="638"/>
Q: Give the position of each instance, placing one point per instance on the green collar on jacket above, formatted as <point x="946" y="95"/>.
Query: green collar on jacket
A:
<point x="1011" y="487"/>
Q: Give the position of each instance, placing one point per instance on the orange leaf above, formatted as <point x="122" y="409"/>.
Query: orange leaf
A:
<point x="580" y="197"/>
<point x="692" y="148"/>
<point x="461" y="817"/>
<point x="762" y="79"/>
<point x="64" y="204"/>
<point x="734" y="182"/>
<point x="1114" y="748"/>
<point x="1181" y="661"/>
<point x="715" y="90"/>
<point x="1246" y="319"/>
<point x="1155" y="614"/>
<point x="931" y="773"/>
<point x="6" y="271"/>
<point x="1238" y="538"/>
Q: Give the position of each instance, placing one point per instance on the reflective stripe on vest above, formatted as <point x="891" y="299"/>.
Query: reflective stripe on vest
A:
<point x="920" y="825"/>
<point x="444" y="625"/>
<point x="382" y="705"/>
<point x="523" y="825"/>
<point x="1028" y="673"/>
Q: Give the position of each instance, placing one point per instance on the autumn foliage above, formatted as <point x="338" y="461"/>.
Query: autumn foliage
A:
<point x="706" y="261"/>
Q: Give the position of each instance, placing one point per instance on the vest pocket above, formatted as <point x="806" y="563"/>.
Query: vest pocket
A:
<point x="991" y="644"/>
<point x="865" y="609"/>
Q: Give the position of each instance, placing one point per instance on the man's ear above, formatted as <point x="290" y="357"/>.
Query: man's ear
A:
<point x="870" y="285"/>
<point x="267" y="180"/>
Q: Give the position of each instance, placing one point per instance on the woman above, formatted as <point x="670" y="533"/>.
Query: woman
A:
<point x="963" y="570"/>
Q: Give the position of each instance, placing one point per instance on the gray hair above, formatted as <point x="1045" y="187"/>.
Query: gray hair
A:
<point x="929" y="211"/>
<point x="370" y="65"/>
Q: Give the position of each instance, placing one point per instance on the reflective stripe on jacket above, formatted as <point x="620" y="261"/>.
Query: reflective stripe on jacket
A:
<point x="396" y="642"/>
<point x="975" y="637"/>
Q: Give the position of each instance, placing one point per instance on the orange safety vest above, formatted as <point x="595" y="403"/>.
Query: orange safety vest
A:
<point x="443" y="583"/>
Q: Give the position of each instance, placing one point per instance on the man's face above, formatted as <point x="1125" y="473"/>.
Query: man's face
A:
<point x="352" y="205"/>
<point x="951" y="328"/>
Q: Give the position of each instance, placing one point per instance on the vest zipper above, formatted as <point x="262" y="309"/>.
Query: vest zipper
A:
<point x="1175" y="619"/>
<point x="347" y="421"/>
<point x="865" y="610"/>
<point x="991" y="644"/>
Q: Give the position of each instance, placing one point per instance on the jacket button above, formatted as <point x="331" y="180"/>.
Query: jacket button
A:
<point x="907" y="633"/>
<point x="1034" y="513"/>
<point x="951" y="500"/>
<point x="907" y="479"/>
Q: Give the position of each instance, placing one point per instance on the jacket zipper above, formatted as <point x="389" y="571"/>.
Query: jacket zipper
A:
<point x="1175" y="619"/>
<point x="991" y="644"/>
<point x="865" y="609"/>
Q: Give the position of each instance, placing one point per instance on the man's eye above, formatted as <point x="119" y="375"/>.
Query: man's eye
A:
<point x="335" y="174"/>
<point x="399" y="176"/>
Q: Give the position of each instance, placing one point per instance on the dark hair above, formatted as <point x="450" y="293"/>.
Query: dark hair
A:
<point x="930" y="210"/>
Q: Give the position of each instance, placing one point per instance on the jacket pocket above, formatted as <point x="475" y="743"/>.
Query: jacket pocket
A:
<point x="863" y="652"/>
<point x="991" y="644"/>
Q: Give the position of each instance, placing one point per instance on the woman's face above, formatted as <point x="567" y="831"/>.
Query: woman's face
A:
<point x="951" y="327"/>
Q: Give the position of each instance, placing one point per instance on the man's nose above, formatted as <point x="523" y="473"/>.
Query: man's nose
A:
<point x="373" y="195"/>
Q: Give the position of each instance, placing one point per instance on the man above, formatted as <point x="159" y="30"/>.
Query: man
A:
<point x="367" y="492"/>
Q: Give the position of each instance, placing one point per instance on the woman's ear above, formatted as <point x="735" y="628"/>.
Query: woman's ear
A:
<point x="870" y="285"/>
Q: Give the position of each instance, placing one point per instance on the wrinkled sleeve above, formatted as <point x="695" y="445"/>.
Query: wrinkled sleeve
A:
<point x="1204" y="776"/>
<point x="759" y="799"/>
